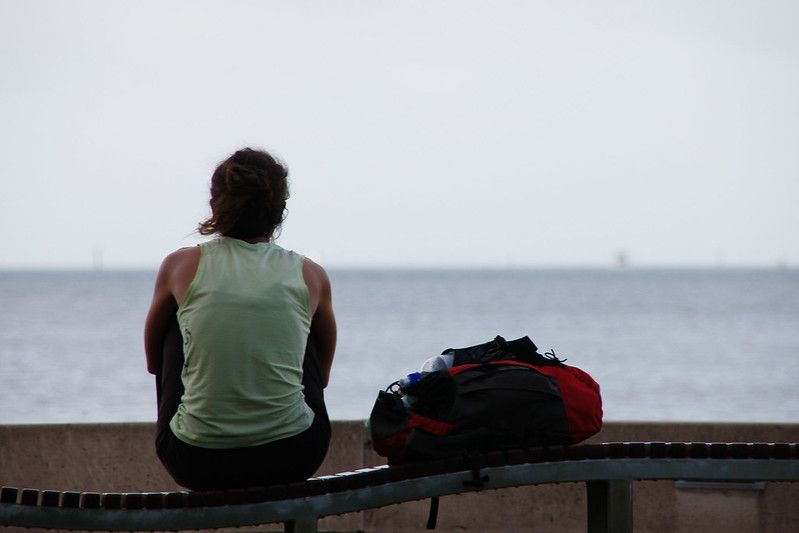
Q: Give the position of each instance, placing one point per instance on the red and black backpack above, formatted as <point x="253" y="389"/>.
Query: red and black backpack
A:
<point x="496" y="395"/>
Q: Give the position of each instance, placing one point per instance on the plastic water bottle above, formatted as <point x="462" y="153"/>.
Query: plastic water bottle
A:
<point x="410" y="380"/>
<point x="438" y="362"/>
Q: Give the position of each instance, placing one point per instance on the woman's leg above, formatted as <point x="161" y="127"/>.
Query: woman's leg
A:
<point x="169" y="390"/>
<point x="316" y="439"/>
<point x="312" y="383"/>
<point x="168" y="384"/>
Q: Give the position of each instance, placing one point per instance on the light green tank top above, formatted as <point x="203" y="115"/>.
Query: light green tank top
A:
<point x="245" y="320"/>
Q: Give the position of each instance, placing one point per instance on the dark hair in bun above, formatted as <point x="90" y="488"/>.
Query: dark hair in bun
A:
<point x="248" y="196"/>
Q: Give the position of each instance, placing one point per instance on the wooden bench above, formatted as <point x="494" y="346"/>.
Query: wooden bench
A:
<point x="608" y="471"/>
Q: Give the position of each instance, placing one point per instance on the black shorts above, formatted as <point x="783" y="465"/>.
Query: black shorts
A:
<point x="287" y="460"/>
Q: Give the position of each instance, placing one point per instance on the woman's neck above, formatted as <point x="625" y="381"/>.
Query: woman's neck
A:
<point x="253" y="240"/>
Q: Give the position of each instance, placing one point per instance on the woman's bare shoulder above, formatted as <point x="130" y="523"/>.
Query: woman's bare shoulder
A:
<point x="317" y="281"/>
<point x="183" y="255"/>
<point x="181" y="260"/>
<point x="179" y="268"/>
<point x="312" y="267"/>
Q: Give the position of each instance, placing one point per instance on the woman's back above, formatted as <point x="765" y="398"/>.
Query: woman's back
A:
<point x="244" y="320"/>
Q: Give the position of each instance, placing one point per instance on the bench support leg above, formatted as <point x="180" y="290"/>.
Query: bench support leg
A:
<point x="301" y="525"/>
<point x="610" y="506"/>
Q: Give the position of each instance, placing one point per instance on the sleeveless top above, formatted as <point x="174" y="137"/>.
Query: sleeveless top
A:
<point x="245" y="321"/>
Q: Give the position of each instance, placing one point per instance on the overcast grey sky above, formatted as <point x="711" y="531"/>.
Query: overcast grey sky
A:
<point x="424" y="133"/>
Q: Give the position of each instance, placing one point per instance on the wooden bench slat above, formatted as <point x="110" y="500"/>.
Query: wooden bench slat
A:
<point x="111" y="500"/>
<point x="29" y="497"/>
<point x="90" y="500"/>
<point x="9" y="495"/>
<point x="175" y="500"/>
<point x="133" y="500"/>
<point x="51" y="498"/>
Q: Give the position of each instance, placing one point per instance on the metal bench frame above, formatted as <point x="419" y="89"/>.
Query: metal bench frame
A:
<point x="608" y="471"/>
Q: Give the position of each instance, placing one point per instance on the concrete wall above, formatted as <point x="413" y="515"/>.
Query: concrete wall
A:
<point x="121" y="458"/>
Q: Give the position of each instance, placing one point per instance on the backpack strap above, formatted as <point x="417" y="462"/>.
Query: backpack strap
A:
<point x="522" y="349"/>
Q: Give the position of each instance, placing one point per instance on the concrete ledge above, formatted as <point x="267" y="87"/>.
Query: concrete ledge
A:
<point x="121" y="457"/>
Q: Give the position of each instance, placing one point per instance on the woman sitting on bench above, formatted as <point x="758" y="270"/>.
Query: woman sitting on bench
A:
<point x="240" y="336"/>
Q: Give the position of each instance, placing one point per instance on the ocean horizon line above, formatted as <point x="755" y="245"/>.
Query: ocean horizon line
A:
<point x="388" y="267"/>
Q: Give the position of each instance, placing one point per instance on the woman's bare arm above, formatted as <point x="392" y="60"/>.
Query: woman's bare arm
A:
<point x="176" y="272"/>
<point x="323" y="322"/>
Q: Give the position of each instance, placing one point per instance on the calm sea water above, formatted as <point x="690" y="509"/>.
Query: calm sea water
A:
<point x="689" y="345"/>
